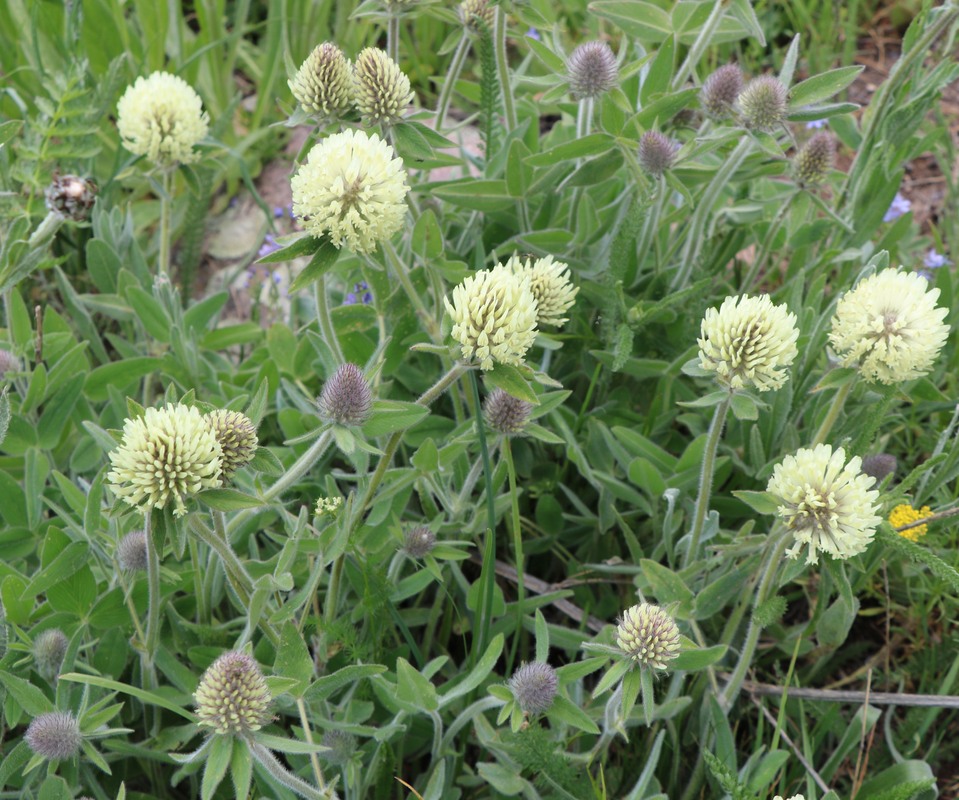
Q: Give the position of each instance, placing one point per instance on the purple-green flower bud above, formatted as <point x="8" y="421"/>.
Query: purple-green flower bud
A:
<point x="8" y="362"/>
<point x="49" y="649"/>
<point x="55" y="735"/>
<point x="418" y="541"/>
<point x="342" y="745"/>
<point x="534" y="686"/>
<point x="506" y="414"/>
<point x="592" y="70"/>
<point x="132" y="551"/>
<point x="719" y="92"/>
<point x="346" y="398"/>
<point x="657" y="152"/>
<point x="879" y="466"/>
<point x="763" y="103"/>
<point x="815" y="159"/>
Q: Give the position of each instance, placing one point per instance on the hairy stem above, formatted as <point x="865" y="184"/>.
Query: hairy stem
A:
<point x="838" y="402"/>
<point x="706" y="477"/>
<point x="455" y="70"/>
<point x="153" y="591"/>
<point x="325" y="320"/>
<point x="283" y="776"/>
<point x="502" y="67"/>
<point x="164" y="259"/>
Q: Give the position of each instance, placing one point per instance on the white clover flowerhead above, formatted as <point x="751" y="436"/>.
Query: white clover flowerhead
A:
<point x="748" y="342"/>
<point x="494" y="317"/>
<point x="352" y="189"/>
<point x="162" y="118"/>
<point x="381" y="89"/>
<point x="323" y="85"/>
<point x="648" y="635"/>
<point x="549" y="283"/>
<point x="890" y="327"/>
<point x="825" y="502"/>
<point x="166" y="455"/>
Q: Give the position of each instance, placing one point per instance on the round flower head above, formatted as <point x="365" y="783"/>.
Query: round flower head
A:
<point x="71" y="196"/>
<point x="381" y="90"/>
<point x="748" y="341"/>
<point x="506" y="414"/>
<point x="889" y="326"/>
<point x="323" y="85"/>
<point x="534" y="687"/>
<point x="494" y="317"/>
<point x="879" y="466"/>
<point x="8" y="362"/>
<point x="825" y="502"/>
<point x="236" y="434"/>
<point x="763" y="103"/>
<point x="233" y="697"/>
<point x="167" y="454"/>
<point x="418" y="541"/>
<point x="352" y="189"/>
<point x="592" y="70"/>
<point x="55" y="735"/>
<point x="346" y="398"/>
<point x="162" y="118"/>
<point x="815" y="159"/>
<point x="477" y="15"/>
<point x="132" y="552"/>
<point x="648" y="635"/>
<point x="549" y="283"/>
<point x="341" y="746"/>
<point x="656" y="152"/>
<point x="719" y="92"/>
<point x="905" y="514"/>
<point x="49" y="648"/>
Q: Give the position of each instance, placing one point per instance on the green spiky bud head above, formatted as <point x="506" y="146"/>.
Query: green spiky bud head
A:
<point x="236" y="434"/>
<point x="381" y="91"/>
<point x="477" y="15"/>
<point x="233" y="697"/>
<point x="763" y="103"/>
<point x="719" y="92"/>
<point x="347" y="398"/>
<point x="648" y="635"/>
<point x="323" y="85"/>
<point x="657" y="152"/>
<point x="592" y="70"/>
<point x="814" y="160"/>
<point x="506" y="414"/>
<point x="49" y="649"/>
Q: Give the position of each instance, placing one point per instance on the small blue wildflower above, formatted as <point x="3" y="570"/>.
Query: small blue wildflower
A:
<point x="815" y="124"/>
<point x="360" y="294"/>
<point x="350" y="299"/>
<point x="269" y="246"/>
<point x="277" y="277"/>
<point x="248" y="275"/>
<point x="278" y="211"/>
<point x="924" y="273"/>
<point x="899" y="206"/>
<point x="934" y="260"/>
<point x="532" y="33"/>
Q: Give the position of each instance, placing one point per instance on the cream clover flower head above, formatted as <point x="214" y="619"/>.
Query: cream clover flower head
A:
<point x="648" y="635"/>
<point x="890" y="327"/>
<point x="352" y="189"/>
<point x="748" y="342"/>
<point x="381" y="89"/>
<point x="494" y="317"/>
<point x="162" y="117"/>
<point x="323" y="85"/>
<point x="233" y="697"/>
<point x="825" y="502"/>
<point x="549" y="283"/>
<point x="167" y="454"/>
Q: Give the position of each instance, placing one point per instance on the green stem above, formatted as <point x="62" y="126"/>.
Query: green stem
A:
<point x="422" y="312"/>
<point x="731" y="691"/>
<point x="202" y="612"/>
<point x="164" y="260"/>
<point x="426" y="399"/>
<point x="393" y="35"/>
<point x="153" y="591"/>
<point x="325" y="320"/>
<point x="303" y="465"/>
<point x="45" y="231"/>
<point x="502" y="67"/>
<point x="488" y="570"/>
<point x="698" y="47"/>
<point x="455" y="70"/>
<point x="283" y="776"/>
<point x="308" y="733"/>
<point x="767" y="244"/>
<point x="838" y="401"/>
<point x="706" y="477"/>
<point x="584" y="124"/>
<point x="517" y="548"/>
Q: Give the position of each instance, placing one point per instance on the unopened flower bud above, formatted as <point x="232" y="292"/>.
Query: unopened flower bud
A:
<point x="418" y="541"/>
<point x="719" y="92"/>
<point x="236" y="434"/>
<point x="342" y="745"/>
<point x="506" y="414"/>
<point x="233" y="697"/>
<point x="815" y="159"/>
<point x="534" y="687"/>
<point x="382" y="91"/>
<point x="477" y="15"/>
<point x="71" y="196"/>
<point x="656" y="152"/>
<point x="55" y="735"/>
<point x="8" y="362"/>
<point x="763" y="103"/>
<point x="648" y="635"/>
<point x="49" y="648"/>
<point x="132" y="552"/>
<point x="346" y="398"/>
<point x="592" y="70"/>
<point x="879" y="466"/>
<point x="324" y="83"/>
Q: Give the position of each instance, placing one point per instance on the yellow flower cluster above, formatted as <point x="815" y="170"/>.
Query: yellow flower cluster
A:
<point x="905" y="514"/>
